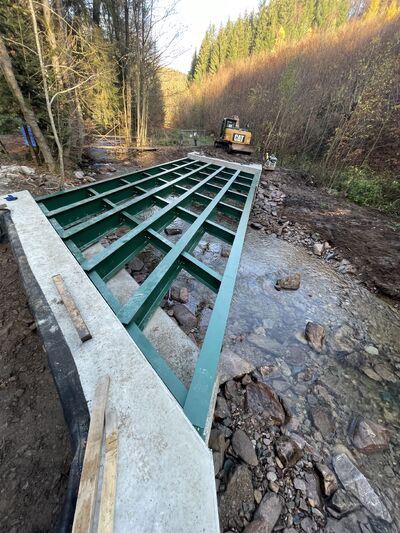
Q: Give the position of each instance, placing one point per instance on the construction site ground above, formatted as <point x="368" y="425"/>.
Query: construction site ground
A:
<point x="34" y="444"/>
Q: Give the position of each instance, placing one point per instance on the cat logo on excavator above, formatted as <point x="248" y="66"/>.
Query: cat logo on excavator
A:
<point x="233" y="138"/>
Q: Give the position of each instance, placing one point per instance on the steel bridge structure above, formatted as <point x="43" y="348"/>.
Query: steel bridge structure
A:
<point x="213" y="197"/>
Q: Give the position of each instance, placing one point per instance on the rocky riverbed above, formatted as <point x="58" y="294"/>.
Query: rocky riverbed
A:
<point x="306" y="430"/>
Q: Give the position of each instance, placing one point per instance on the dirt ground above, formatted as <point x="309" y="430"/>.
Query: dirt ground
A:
<point x="366" y="237"/>
<point x="34" y="443"/>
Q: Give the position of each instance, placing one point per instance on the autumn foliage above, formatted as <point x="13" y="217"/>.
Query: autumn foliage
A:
<point x="332" y="98"/>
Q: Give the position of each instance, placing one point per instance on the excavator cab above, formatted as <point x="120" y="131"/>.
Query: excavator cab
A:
<point x="233" y="138"/>
<point x="232" y="123"/>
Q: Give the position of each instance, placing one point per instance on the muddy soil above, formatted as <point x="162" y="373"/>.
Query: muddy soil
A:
<point x="34" y="443"/>
<point x="368" y="238"/>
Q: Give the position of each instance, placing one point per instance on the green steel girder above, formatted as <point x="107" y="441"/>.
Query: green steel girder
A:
<point x="84" y="215"/>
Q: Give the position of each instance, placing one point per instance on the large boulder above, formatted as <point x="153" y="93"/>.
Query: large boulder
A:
<point x="239" y="492"/>
<point x="356" y="483"/>
<point x="368" y="436"/>
<point x="267" y="514"/>
<point x="262" y="400"/>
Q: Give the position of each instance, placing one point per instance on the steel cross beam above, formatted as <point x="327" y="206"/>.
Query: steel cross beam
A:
<point x="84" y="215"/>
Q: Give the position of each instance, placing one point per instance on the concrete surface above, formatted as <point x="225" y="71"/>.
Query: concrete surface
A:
<point x="165" y="477"/>
<point x="172" y="343"/>
<point x="253" y="168"/>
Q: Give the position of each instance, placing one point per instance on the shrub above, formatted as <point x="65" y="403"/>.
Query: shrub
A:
<point x="9" y="123"/>
<point x="366" y="187"/>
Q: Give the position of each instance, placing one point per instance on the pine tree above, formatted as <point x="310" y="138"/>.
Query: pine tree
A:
<point x="243" y="37"/>
<point x="204" y="57"/>
<point x="263" y="34"/>
<point x="193" y="66"/>
<point x="219" y="51"/>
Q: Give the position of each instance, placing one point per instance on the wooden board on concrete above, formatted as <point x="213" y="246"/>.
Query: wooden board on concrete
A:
<point x="85" y="505"/>
<point x="73" y="311"/>
<point x="107" y="502"/>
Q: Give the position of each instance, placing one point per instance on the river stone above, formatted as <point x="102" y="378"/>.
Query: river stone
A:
<point x="288" y="451"/>
<point x="79" y="175"/>
<point x="239" y="492"/>
<point x="256" y="225"/>
<point x="171" y="230"/>
<point x="385" y="373"/>
<point x="135" y="265"/>
<point x="262" y="400"/>
<point x="328" y="479"/>
<point x="315" y="335"/>
<point x="296" y="356"/>
<point x="217" y="440"/>
<point x="232" y="392"/>
<point x="266" y="515"/>
<point x="232" y="366"/>
<point x="356" y="483"/>
<point x="367" y="436"/>
<point x="299" y="484"/>
<point x="292" y="282"/>
<point x="266" y="343"/>
<point x="348" y="524"/>
<point x="222" y="409"/>
<point x="344" y="339"/>
<point x="368" y="371"/>
<point x="313" y="489"/>
<point x="318" y="248"/>
<point x="180" y="294"/>
<point x="218" y="460"/>
<point x="343" y="502"/>
<point x="185" y="318"/>
<point x="244" y="447"/>
<point x="323" y="420"/>
<point x="371" y="350"/>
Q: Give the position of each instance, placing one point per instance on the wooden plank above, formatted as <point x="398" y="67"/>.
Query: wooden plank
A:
<point x="107" y="503"/>
<point x="73" y="311"/>
<point x="85" y="505"/>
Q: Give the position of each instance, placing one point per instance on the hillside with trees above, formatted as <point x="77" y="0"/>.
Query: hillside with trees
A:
<point x="276" y="23"/>
<point x="326" y="96"/>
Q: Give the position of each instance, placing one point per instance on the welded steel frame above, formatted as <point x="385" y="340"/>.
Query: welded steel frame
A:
<point x="84" y="215"/>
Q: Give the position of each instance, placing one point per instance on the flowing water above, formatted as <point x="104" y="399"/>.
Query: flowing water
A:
<point x="358" y="373"/>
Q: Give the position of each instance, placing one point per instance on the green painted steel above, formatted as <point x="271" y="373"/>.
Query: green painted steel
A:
<point x="178" y="189"/>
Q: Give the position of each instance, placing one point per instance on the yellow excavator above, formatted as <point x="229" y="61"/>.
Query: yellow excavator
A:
<point x="233" y="138"/>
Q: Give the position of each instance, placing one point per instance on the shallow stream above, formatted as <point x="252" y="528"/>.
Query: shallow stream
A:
<point x="358" y="373"/>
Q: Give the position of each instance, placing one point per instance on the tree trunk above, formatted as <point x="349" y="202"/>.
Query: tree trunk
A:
<point x="46" y="92"/>
<point x="29" y="115"/>
<point x="96" y="12"/>
<point x="66" y="81"/>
